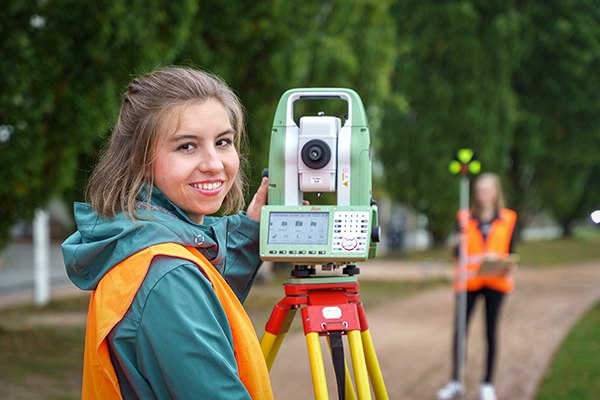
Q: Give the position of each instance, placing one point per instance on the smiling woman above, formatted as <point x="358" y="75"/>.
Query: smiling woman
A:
<point x="146" y="115"/>
<point x="168" y="278"/>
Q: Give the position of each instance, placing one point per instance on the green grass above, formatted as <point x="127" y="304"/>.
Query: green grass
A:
<point x="575" y="372"/>
<point x="560" y="251"/>
<point x="584" y="246"/>
<point x="47" y="361"/>
<point x="75" y="303"/>
<point x="54" y="353"/>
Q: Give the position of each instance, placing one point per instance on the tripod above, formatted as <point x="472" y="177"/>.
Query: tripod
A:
<point x="330" y="307"/>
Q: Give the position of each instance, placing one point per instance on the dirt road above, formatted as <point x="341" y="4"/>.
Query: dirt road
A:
<point x="413" y="336"/>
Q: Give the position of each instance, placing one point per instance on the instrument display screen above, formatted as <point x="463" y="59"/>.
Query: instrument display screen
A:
<point x="303" y="228"/>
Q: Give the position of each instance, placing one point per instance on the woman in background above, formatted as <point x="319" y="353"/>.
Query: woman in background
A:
<point x="489" y="235"/>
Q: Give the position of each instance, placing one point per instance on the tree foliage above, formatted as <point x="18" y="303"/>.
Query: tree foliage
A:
<point x="558" y="85"/>
<point x="454" y="68"/>
<point x="63" y="65"/>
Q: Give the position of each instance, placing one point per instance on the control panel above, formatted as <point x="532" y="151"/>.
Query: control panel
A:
<point x="315" y="234"/>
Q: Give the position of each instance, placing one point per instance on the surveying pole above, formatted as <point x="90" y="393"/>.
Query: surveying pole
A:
<point x="465" y="162"/>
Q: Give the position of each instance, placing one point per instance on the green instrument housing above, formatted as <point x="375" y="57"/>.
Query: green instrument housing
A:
<point x="353" y="187"/>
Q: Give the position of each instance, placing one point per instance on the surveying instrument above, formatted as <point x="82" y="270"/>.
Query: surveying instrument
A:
<point x="465" y="162"/>
<point x="320" y="154"/>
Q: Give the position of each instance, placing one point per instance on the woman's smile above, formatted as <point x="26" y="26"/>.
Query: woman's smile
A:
<point x="208" y="188"/>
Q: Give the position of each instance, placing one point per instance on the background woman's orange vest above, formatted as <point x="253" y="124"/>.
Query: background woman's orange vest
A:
<point x="497" y="243"/>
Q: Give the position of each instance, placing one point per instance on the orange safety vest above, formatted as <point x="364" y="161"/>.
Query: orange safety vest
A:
<point x="497" y="243"/>
<point x="112" y="298"/>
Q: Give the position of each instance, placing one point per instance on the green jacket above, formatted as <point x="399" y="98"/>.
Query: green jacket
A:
<point x="174" y="342"/>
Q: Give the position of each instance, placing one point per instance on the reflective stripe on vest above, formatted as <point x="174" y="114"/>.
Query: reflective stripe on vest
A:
<point x="497" y="244"/>
<point x="115" y="293"/>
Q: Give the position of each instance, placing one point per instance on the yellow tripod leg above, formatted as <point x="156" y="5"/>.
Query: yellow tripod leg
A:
<point x="270" y="345"/>
<point x="266" y="343"/>
<point x="373" y="367"/>
<point x="270" y="342"/>
<point x="350" y="393"/>
<point x="316" y="366"/>
<point x="360" y="366"/>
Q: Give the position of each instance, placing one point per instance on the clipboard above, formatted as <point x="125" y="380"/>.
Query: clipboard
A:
<point x="495" y="267"/>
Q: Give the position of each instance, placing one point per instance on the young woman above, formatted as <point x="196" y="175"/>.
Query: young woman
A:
<point x="165" y="318"/>
<point x="489" y="236"/>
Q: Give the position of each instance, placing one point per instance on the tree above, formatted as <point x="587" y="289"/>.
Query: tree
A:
<point x="63" y="65"/>
<point x="451" y="89"/>
<point x="558" y="84"/>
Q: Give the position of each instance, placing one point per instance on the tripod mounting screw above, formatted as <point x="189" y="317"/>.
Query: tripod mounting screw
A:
<point x="302" y="271"/>
<point x="351" y="269"/>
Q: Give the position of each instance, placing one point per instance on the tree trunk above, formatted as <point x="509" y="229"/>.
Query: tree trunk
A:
<point x="439" y="239"/>
<point x="567" y="227"/>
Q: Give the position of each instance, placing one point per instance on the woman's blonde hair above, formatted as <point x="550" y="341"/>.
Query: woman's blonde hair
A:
<point x="500" y="204"/>
<point x="128" y="160"/>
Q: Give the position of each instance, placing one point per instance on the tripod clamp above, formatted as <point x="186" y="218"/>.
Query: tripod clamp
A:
<point x="328" y="330"/>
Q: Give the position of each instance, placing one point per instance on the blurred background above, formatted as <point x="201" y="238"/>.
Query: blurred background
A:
<point x="517" y="81"/>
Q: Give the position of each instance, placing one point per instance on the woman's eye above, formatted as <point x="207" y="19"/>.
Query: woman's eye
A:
<point x="186" y="147"/>
<point x="224" y="142"/>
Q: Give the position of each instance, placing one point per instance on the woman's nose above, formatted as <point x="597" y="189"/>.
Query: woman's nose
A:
<point x="210" y="162"/>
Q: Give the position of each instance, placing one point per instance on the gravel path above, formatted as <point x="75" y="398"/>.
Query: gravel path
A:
<point x="412" y="336"/>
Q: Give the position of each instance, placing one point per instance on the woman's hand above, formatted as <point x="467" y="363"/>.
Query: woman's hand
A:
<point x="259" y="200"/>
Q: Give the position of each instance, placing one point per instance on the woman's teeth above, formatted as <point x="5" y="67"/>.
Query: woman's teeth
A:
<point x="207" y="186"/>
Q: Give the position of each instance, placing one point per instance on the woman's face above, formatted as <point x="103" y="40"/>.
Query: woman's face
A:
<point x="196" y="166"/>
<point x="486" y="192"/>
